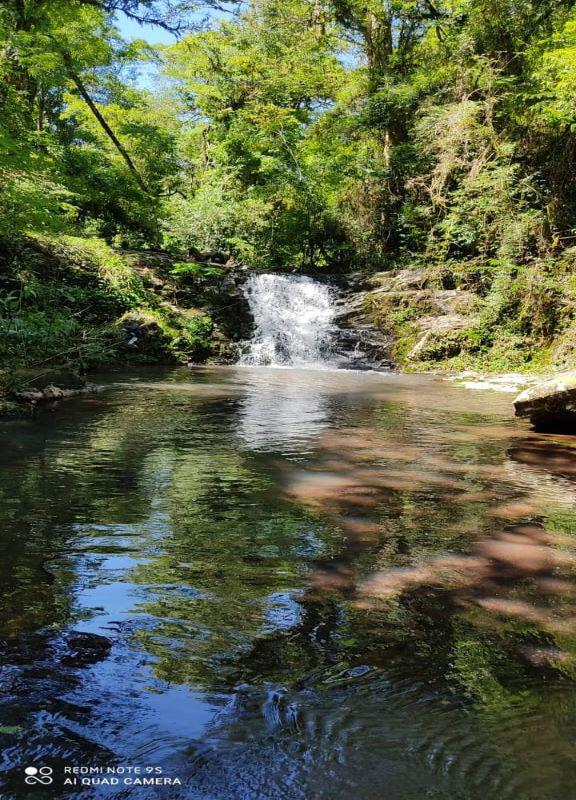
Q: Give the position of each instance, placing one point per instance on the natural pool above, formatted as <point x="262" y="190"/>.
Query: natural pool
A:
<point x="280" y="583"/>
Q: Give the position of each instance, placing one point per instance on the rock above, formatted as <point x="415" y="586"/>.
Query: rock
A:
<point x="51" y="393"/>
<point x="360" y="343"/>
<point x="550" y="405"/>
<point x="424" y="321"/>
<point x="85" y="649"/>
<point x="363" y="347"/>
<point x="34" y="396"/>
<point x="401" y="279"/>
<point x="440" y="336"/>
<point x="511" y="382"/>
<point x="454" y="301"/>
<point x="143" y="332"/>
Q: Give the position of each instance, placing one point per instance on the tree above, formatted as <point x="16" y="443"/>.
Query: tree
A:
<point x="250" y="90"/>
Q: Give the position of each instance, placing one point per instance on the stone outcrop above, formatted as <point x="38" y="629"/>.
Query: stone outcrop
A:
<point x="427" y="322"/>
<point x="438" y="333"/>
<point x="551" y="404"/>
<point x="362" y="344"/>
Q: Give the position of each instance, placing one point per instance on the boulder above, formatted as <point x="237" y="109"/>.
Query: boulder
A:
<point x="439" y="336"/>
<point x="143" y="332"/>
<point x="551" y="404"/>
<point x="52" y="393"/>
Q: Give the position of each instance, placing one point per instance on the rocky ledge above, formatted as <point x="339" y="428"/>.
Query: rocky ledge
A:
<point x="551" y="404"/>
<point x="425" y="321"/>
<point x="52" y="393"/>
<point x="361" y="343"/>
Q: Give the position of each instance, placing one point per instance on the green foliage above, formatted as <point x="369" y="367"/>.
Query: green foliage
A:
<point x="64" y="300"/>
<point x="192" y="269"/>
<point x="81" y="148"/>
<point x="169" y="334"/>
<point x="255" y="87"/>
<point x="300" y="135"/>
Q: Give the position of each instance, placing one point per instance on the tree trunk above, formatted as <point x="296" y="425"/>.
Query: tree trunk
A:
<point x="377" y="31"/>
<point x="103" y="124"/>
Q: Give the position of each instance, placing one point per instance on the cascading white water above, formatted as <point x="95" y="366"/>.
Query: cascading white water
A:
<point x="293" y="321"/>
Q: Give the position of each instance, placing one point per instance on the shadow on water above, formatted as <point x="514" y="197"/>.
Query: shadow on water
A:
<point x="288" y="584"/>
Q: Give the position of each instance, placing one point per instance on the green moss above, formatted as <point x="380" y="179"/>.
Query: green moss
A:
<point x="168" y="333"/>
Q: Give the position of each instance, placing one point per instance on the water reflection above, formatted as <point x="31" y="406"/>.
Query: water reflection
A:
<point x="289" y="585"/>
<point x="283" y="409"/>
<point x="523" y="572"/>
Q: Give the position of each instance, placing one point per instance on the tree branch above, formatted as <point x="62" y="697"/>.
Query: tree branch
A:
<point x="102" y="121"/>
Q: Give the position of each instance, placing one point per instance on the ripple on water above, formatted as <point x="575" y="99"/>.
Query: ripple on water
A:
<point x="290" y="584"/>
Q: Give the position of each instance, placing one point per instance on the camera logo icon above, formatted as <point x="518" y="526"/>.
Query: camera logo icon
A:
<point x="41" y="775"/>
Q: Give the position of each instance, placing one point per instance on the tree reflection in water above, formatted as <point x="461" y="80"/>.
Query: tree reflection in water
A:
<point x="368" y="589"/>
<point x="380" y="493"/>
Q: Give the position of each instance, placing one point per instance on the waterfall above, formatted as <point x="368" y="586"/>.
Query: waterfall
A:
<point x="293" y="321"/>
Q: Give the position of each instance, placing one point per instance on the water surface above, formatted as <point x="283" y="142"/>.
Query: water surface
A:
<point x="274" y="583"/>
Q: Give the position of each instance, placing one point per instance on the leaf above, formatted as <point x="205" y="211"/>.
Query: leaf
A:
<point x="11" y="730"/>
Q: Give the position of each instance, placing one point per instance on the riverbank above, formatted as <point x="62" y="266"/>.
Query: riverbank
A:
<point x="79" y="304"/>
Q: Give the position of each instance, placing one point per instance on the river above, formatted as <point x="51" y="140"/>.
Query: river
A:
<point x="285" y="584"/>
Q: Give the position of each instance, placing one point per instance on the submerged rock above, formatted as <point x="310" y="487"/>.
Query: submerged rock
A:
<point x="550" y="405"/>
<point x="85" y="649"/>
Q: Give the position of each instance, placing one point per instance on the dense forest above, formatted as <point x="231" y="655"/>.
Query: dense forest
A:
<point x="430" y="139"/>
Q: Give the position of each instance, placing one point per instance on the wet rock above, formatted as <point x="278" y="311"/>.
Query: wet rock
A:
<point x="52" y="393"/>
<point x="85" y="648"/>
<point x="231" y="313"/>
<point x="359" y="341"/>
<point x="550" y="405"/>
